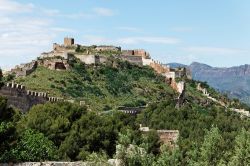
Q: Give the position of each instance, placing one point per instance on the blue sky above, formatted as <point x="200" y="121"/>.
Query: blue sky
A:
<point x="215" y="32"/>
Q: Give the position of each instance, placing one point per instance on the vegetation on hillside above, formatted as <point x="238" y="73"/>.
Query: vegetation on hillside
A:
<point x="209" y="135"/>
<point x="105" y="86"/>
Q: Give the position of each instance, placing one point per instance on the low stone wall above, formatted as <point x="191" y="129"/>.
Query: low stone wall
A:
<point x="169" y="137"/>
<point x="131" y="110"/>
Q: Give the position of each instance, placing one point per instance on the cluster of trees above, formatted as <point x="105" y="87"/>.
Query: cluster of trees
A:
<point x="128" y="152"/>
<point x="64" y="131"/>
<point x="61" y="131"/>
<point x="193" y="121"/>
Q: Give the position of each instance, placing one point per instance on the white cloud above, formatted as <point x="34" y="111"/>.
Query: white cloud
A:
<point x="103" y="11"/>
<point x="51" y="12"/>
<point x="131" y="40"/>
<point x="152" y="40"/>
<point x="214" y="50"/>
<point x="24" y="37"/>
<point x="7" y="6"/>
<point x="96" y="12"/>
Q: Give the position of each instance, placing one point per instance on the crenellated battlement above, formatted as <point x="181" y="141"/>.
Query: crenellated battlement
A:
<point x="23" y="99"/>
<point x="15" y="86"/>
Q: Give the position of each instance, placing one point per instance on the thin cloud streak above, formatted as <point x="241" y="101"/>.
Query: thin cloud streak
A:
<point x="131" y="40"/>
<point x="103" y="11"/>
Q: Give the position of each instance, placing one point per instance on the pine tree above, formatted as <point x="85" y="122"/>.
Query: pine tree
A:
<point x="241" y="154"/>
<point x="208" y="153"/>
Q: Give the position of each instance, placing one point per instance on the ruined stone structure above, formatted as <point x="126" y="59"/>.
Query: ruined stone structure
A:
<point x="140" y="52"/>
<point x="243" y="112"/>
<point x="141" y="57"/>
<point x="67" y="51"/>
<point x="55" y="64"/>
<point x="24" y="69"/>
<point x="135" y="56"/>
<point x="179" y="72"/>
<point x="133" y="59"/>
<point x="159" y="68"/>
<point x="180" y="86"/>
<point x="20" y="98"/>
<point x="131" y="110"/>
<point x="107" y="48"/>
<point x="68" y="41"/>
<point x="91" y="59"/>
<point x="204" y="91"/>
<point x="168" y="137"/>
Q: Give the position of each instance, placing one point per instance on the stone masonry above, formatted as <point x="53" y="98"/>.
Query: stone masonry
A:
<point x="23" y="99"/>
<point x="168" y="137"/>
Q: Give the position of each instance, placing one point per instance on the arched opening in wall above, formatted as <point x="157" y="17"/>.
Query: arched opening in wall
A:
<point x="59" y="66"/>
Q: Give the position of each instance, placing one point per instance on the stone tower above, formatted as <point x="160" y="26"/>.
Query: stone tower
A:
<point x="68" y="41"/>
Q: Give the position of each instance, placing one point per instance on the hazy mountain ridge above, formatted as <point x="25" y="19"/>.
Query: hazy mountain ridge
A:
<point x="234" y="81"/>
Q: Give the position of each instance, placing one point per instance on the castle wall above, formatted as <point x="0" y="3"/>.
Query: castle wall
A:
<point x="131" y="110"/>
<point x="87" y="59"/>
<point x="108" y="48"/>
<point x="55" y="64"/>
<point x="168" y="137"/>
<point x="24" y="69"/>
<point x="21" y="99"/>
<point x="139" y="52"/>
<point x="147" y="62"/>
<point x="133" y="59"/>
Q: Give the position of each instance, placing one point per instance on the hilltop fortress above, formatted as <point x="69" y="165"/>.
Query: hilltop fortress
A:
<point x="60" y="57"/>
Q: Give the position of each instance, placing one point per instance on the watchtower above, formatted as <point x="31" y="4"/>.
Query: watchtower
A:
<point x="68" y="41"/>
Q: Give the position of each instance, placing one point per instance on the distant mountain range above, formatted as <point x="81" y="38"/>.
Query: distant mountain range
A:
<point x="234" y="81"/>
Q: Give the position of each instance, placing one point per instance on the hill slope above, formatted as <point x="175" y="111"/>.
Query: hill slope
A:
<point x="76" y="132"/>
<point x="102" y="87"/>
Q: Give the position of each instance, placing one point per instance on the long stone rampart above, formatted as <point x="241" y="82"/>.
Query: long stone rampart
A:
<point x="23" y="99"/>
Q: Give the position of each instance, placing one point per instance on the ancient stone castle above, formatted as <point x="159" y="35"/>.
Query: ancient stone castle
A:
<point x="61" y="56"/>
